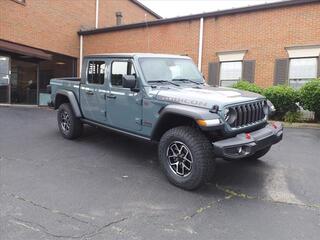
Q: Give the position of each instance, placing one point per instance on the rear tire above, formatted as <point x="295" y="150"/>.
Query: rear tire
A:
<point x="69" y="125"/>
<point x="186" y="157"/>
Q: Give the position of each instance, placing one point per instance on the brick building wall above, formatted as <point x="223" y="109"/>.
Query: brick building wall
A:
<point x="131" y="13"/>
<point x="53" y="24"/>
<point x="264" y="34"/>
<point x="177" y="38"/>
<point x="46" y="24"/>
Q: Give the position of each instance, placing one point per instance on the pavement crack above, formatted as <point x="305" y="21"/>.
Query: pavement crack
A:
<point x="28" y="224"/>
<point x="199" y="211"/>
<point x="54" y="211"/>
<point x="232" y="193"/>
<point x="99" y="230"/>
<point x="40" y="228"/>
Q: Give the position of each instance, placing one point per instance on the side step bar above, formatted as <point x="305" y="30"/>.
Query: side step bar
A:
<point x="95" y="124"/>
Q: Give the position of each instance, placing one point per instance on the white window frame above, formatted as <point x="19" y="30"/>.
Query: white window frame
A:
<point x="230" y="80"/>
<point x="301" y="79"/>
<point x="300" y="52"/>
<point x="231" y="56"/>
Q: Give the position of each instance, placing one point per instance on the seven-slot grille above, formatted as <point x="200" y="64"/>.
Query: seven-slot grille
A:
<point x="248" y="113"/>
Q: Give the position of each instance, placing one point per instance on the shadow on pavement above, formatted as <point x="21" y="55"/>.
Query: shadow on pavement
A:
<point x="241" y="174"/>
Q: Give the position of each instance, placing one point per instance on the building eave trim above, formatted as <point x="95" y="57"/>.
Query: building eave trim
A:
<point x="254" y="8"/>
<point x="144" y="7"/>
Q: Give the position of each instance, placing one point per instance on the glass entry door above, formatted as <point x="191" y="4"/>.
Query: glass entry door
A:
<point x="23" y="82"/>
<point x="4" y="79"/>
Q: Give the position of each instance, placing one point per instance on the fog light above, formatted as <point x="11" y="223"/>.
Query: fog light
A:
<point x="242" y="150"/>
<point x="238" y="151"/>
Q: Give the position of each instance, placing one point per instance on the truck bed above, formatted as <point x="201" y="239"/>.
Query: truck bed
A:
<point x="69" y="84"/>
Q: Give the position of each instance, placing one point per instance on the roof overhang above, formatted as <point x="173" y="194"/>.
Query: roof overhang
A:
<point x="144" y="7"/>
<point x="24" y="50"/>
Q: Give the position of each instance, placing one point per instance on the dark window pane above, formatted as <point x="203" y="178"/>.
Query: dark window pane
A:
<point x="96" y="72"/>
<point x="118" y="70"/>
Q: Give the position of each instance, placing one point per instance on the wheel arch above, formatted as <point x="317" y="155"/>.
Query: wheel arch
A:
<point x="64" y="96"/>
<point x="178" y="115"/>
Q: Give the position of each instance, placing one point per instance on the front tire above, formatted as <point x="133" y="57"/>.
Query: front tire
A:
<point x="69" y="125"/>
<point x="186" y="157"/>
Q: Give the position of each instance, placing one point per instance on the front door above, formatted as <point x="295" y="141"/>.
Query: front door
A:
<point x="93" y="91"/>
<point x="4" y="79"/>
<point x="124" y="107"/>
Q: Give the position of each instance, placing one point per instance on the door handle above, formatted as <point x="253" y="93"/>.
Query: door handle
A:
<point x="112" y="96"/>
<point x="89" y="92"/>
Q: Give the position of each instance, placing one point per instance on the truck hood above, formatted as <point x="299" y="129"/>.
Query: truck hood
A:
<point x="205" y="96"/>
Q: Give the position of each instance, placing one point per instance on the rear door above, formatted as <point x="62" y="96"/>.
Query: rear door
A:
<point x="93" y="90"/>
<point x="124" y="106"/>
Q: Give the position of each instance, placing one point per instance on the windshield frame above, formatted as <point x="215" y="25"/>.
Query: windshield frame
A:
<point x="150" y="83"/>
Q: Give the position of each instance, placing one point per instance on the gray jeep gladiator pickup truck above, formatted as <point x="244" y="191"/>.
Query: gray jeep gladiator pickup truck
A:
<point x="164" y="98"/>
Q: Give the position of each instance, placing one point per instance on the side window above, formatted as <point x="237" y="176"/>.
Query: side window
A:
<point x="96" y="72"/>
<point x="119" y="69"/>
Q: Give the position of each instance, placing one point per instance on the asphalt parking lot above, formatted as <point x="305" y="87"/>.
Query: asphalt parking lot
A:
<point x="108" y="186"/>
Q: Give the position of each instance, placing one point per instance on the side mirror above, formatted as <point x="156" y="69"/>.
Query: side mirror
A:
<point x="129" y="81"/>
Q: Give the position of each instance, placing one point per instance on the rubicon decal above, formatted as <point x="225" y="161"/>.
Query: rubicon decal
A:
<point x="183" y="101"/>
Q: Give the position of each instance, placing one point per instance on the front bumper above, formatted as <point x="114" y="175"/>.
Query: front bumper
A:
<point x="246" y="144"/>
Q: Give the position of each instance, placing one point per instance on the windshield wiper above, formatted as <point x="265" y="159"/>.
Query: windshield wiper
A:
<point x="186" y="80"/>
<point x="163" y="81"/>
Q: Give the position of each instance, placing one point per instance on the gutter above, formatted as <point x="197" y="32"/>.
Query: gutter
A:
<point x="97" y="13"/>
<point x="200" y="44"/>
<point x="80" y="55"/>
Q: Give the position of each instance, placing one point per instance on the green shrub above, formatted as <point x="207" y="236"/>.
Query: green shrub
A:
<point x="284" y="98"/>
<point x="292" y="117"/>
<point x="245" y="85"/>
<point x="310" y="97"/>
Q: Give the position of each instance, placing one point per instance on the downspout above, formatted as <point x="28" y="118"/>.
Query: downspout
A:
<point x="200" y="45"/>
<point x="80" y="55"/>
<point x="97" y="13"/>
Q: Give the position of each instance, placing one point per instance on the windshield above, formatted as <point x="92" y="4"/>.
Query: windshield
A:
<point x="169" y="69"/>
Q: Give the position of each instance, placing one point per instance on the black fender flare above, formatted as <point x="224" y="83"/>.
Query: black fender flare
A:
<point x="72" y="99"/>
<point x="191" y="112"/>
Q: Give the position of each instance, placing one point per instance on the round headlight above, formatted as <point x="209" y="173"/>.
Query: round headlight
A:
<point x="271" y="107"/>
<point x="230" y="115"/>
<point x="226" y="114"/>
